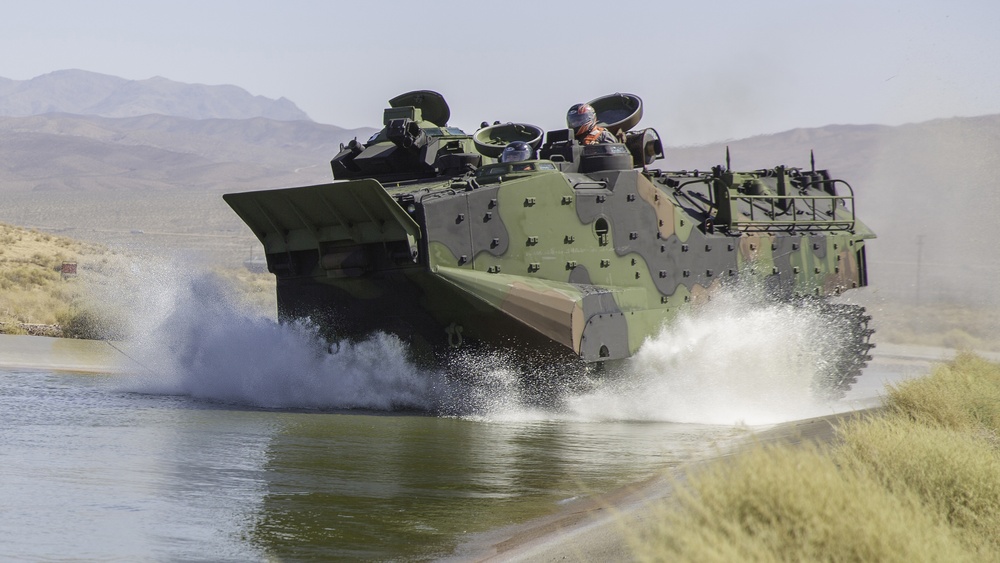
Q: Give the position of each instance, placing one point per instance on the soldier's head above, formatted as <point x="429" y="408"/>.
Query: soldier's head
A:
<point x="581" y="118"/>
<point x="516" y="152"/>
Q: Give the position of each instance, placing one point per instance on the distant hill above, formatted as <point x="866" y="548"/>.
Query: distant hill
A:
<point x="938" y="152"/>
<point x="62" y="152"/>
<point x="90" y="93"/>
<point x="143" y="176"/>
<point x="927" y="189"/>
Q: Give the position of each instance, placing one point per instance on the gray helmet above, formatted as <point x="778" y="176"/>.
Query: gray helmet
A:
<point x="516" y="152"/>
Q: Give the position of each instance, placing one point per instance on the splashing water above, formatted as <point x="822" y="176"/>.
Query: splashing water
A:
<point x="205" y="347"/>
<point x="737" y="359"/>
<point x="490" y="387"/>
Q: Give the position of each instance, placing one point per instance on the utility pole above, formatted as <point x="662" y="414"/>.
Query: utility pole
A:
<point x="920" y="252"/>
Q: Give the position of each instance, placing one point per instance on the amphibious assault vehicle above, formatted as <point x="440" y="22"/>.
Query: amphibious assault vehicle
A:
<point x="582" y="252"/>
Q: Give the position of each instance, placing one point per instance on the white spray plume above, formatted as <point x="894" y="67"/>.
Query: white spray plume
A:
<point x="196" y="340"/>
<point x="739" y="358"/>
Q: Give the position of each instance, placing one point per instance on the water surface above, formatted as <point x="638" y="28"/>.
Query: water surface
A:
<point x="225" y="436"/>
<point x="94" y="472"/>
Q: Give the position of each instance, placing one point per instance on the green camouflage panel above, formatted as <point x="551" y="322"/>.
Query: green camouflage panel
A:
<point x="586" y="250"/>
<point x="596" y="267"/>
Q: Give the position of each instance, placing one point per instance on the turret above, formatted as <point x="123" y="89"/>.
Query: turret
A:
<point x="415" y="143"/>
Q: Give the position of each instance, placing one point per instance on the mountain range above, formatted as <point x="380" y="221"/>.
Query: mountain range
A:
<point x="91" y="93"/>
<point x="80" y="131"/>
<point x="82" y="153"/>
<point x="99" y="166"/>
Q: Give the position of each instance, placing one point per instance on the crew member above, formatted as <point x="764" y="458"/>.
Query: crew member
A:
<point x="582" y="119"/>
<point x="516" y="152"/>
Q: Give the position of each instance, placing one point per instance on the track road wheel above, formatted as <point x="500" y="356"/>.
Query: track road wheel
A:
<point x="848" y="349"/>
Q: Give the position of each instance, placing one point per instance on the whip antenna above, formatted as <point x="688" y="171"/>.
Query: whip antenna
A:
<point x="137" y="362"/>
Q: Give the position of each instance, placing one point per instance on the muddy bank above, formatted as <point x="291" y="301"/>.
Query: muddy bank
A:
<point x="58" y="354"/>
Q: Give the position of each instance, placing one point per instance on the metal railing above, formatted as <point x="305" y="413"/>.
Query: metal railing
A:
<point x="798" y="212"/>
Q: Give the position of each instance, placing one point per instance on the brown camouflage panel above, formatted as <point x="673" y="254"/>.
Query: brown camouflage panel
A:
<point x="537" y="254"/>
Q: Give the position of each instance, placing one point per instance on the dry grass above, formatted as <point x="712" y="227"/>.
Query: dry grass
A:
<point x="955" y="475"/>
<point x="777" y="503"/>
<point x="963" y="395"/>
<point x="36" y="298"/>
<point x="32" y="289"/>
<point x="918" y="482"/>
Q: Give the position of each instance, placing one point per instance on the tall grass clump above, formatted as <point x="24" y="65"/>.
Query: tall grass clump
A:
<point x="956" y="475"/>
<point x="918" y="480"/>
<point x="777" y="503"/>
<point x="962" y="395"/>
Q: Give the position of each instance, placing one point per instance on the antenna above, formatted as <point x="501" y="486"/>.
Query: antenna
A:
<point x="812" y="160"/>
<point x="727" y="158"/>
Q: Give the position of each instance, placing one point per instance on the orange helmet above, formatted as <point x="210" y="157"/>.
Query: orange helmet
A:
<point x="581" y="118"/>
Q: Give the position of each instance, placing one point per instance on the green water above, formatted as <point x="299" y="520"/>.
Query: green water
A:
<point x="92" y="472"/>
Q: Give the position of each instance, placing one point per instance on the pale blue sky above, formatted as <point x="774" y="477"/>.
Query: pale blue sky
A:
<point x="707" y="71"/>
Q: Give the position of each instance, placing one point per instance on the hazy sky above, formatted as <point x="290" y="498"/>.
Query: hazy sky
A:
<point x="706" y="71"/>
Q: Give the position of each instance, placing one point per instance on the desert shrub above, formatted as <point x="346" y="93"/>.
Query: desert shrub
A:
<point x="917" y="481"/>
<point x="777" y="503"/>
<point x="28" y="275"/>
<point x="8" y="327"/>
<point x="31" y="306"/>
<point x="956" y="475"/>
<point x="76" y="325"/>
<point x="84" y="324"/>
<point x="962" y="395"/>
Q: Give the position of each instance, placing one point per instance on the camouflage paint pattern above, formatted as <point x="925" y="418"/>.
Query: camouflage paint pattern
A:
<point x="538" y="254"/>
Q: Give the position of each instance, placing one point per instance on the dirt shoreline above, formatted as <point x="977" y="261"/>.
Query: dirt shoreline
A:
<point x="598" y="528"/>
<point x="19" y="351"/>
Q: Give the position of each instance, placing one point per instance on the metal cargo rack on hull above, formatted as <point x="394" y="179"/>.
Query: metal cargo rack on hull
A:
<point x="771" y="200"/>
